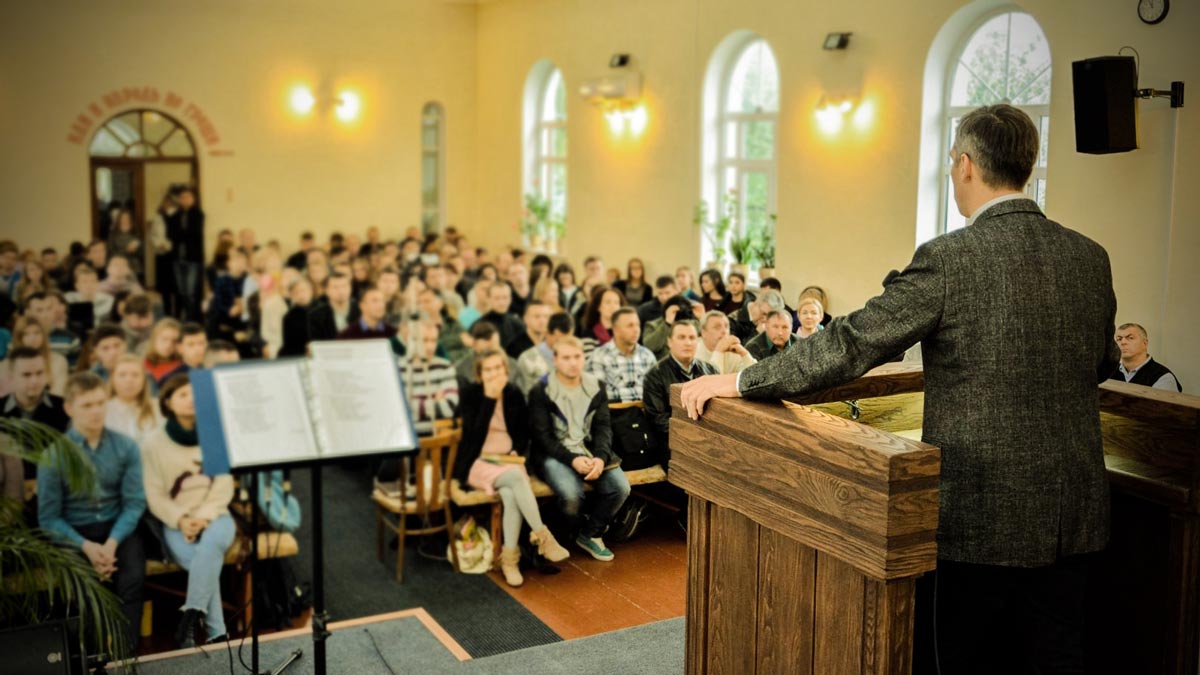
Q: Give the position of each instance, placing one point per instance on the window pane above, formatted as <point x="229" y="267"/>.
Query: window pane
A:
<point x="429" y="179"/>
<point x="177" y="145"/>
<point x="558" y="142"/>
<point x="1028" y="61"/>
<point x="429" y="136"/>
<point x="754" y="83"/>
<point x="730" y="141"/>
<point x="755" y="200"/>
<point x="1043" y="138"/>
<point x="554" y="105"/>
<point x="950" y="141"/>
<point x="1040" y="196"/>
<point x="758" y="140"/>
<point x="1006" y="60"/>
<point x="104" y="184"/>
<point x="983" y="65"/>
<point x="155" y="127"/>
<point x="558" y="188"/>
<point x="140" y="150"/>
<point x="104" y="144"/>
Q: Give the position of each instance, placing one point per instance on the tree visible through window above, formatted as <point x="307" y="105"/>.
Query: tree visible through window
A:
<point x="1005" y="60"/>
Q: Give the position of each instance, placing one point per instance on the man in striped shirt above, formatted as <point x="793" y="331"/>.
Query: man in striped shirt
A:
<point x="622" y="363"/>
<point x="429" y="380"/>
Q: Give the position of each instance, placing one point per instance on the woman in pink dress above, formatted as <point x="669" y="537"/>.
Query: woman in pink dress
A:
<point x="491" y="457"/>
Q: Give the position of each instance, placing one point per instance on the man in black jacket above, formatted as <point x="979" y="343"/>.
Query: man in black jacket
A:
<point x="30" y="398"/>
<point x="680" y="365"/>
<point x="572" y="443"/>
<point x="1023" y="490"/>
<point x="185" y="231"/>
<point x="328" y="318"/>
<point x="665" y="288"/>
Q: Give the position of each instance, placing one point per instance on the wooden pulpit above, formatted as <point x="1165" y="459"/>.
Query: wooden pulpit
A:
<point x="806" y="530"/>
<point x="809" y="521"/>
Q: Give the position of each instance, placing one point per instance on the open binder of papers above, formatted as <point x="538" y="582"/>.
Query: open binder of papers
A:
<point x="346" y="400"/>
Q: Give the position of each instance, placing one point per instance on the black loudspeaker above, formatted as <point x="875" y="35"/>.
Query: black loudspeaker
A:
<point x="44" y="649"/>
<point x="1105" y="104"/>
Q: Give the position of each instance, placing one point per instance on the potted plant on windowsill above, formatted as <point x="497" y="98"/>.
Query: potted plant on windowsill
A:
<point x="717" y="231"/>
<point x="540" y="227"/>
<point x="38" y="575"/>
<point x="766" y="249"/>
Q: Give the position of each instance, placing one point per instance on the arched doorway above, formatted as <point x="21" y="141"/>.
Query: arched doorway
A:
<point x="134" y="158"/>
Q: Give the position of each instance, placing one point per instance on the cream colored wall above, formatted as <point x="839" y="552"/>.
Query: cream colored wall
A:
<point x="236" y="60"/>
<point x="847" y="205"/>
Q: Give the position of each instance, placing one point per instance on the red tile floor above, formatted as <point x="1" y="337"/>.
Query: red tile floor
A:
<point x="646" y="582"/>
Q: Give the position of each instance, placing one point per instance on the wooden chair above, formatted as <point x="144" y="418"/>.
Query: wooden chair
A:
<point x="435" y="458"/>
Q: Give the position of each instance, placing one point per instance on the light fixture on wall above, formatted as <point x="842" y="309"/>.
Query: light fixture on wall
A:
<point x="831" y="114"/>
<point x="346" y="105"/>
<point x="619" y="95"/>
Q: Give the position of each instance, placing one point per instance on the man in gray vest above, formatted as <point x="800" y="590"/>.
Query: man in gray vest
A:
<point x="1014" y="314"/>
<point x="1137" y="366"/>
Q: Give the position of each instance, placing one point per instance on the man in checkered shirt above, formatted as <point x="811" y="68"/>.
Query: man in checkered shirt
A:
<point x="622" y="363"/>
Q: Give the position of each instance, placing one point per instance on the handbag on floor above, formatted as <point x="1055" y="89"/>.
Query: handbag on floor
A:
<point x="473" y="545"/>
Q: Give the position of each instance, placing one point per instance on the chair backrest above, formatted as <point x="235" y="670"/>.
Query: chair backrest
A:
<point x="431" y="468"/>
<point x="628" y="404"/>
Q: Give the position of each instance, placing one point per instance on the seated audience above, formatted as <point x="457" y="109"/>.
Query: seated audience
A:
<point x="738" y="295"/>
<point x="429" y="379"/>
<point x="87" y="289"/>
<point x="810" y="312"/>
<point x="106" y="345"/>
<point x="102" y="524"/>
<point x="749" y="321"/>
<point x="819" y="294"/>
<point x="220" y="352"/>
<point x="680" y="365"/>
<point x="371" y="324"/>
<point x="225" y="309"/>
<point x="29" y="332"/>
<point x="597" y="321"/>
<point x="10" y="270"/>
<point x="683" y="279"/>
<point x="546" y="291"/>
<point x="30" y="398"/>
<point x="193" y="347"/>
<point x="634" y="286"/>
<point x="193" y="508"/>
<point x="299" y="260"/>
<point x="131" y="406"/>
<point x="622" y="363"/>
<point x="328" y="318"/>
<point x="295" y="322"/>
<point x="719" y="348"/>
<point x="570" y="296"/>
<point x="124" y="240"/>
<point x="665" y="288"/>
<point x="450" y="332"/>
<point x="537" y="316"/>
<point x="477" y="303"/>
<point x="535" y="362"/>
<point x="1137" y="366"/>
<point x="34" y="279"/>
<point x="712" y="291"/>
<point x="137" y="319"/>
<point x="776" y="336"/>
<point x="484" y="336"/>
<point x="120" y="277"/>
<point x="162" y="351"/>
<point x="97" y="257"/>
<point x="655" y="333"/>
<point x="388" y="283"/>
<point x="500" y="313"/>
<point x="572" y="444"/>
<point x="495" y="429"/>
<point x="435" y="278"/>
<point x="771" y="283"/>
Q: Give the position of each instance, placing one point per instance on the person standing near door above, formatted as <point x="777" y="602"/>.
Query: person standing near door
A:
<point x="185" y="231"/>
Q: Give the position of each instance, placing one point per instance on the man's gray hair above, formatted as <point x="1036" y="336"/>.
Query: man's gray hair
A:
<point x="1002" y="141"/>
<point x="710" y="315"/>
<point x="772" y="298"/>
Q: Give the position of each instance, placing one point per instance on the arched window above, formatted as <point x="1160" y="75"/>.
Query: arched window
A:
<point x="433" y="193"/>
<point x="1004" y="58"/>
<point x="741" y="110"/>
<point x="545" y="126"/>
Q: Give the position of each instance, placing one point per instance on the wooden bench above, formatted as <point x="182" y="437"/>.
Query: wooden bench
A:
<point x="471" y="498"/>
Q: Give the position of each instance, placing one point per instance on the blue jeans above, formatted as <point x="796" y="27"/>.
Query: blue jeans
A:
<point x="189" y="285"/>
<point x="608" y="494"/>
<point x="203" y="560"/>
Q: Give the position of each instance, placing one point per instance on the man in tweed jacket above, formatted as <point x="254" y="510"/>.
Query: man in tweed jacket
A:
<point x="1014" y="314"/>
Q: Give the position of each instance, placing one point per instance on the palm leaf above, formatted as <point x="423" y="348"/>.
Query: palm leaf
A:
<point x="39" y="444"/>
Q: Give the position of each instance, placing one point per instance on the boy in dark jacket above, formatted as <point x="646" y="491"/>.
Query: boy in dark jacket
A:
<point x="572" y="443"/>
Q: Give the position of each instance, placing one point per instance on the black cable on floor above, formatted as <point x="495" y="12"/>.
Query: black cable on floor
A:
<point x="377" y="651"/>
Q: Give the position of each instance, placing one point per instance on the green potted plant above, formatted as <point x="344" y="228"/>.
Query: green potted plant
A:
<point x="33" y="564"/>
<point x="744" y="247"/>
<point x="766" y="248"/>
<point x="540" y="227"/>
<point x="717" y="231"/>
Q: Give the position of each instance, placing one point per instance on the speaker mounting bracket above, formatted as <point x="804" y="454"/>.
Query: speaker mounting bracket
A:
<point x="1175" y="93"/>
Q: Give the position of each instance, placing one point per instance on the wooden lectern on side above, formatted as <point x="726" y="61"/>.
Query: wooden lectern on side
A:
<point x="806" y="531"/>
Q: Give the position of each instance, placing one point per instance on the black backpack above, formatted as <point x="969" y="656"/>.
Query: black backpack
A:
<point x="278" y="597"/>
<point x="632" y="440"/>
<point x="628" y="521"/>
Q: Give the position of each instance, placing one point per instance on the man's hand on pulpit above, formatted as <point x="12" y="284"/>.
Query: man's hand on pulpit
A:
<point x="698" y="392"/>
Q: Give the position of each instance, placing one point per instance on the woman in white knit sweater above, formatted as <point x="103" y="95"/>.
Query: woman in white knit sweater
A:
<point x="131" y="410"/>
<point x="193" y="508"/>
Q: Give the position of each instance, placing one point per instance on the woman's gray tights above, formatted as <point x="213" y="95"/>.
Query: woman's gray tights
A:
<point x="518" y="500"/>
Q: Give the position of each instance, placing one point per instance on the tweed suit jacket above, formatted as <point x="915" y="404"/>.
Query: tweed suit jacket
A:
<point x="1015" y="319"/>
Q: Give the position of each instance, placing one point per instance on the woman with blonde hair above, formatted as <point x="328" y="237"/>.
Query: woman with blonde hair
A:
<point x="819" y="295"/>
<point x="131" y="409"/>
<point x="546" y="290"/>
<point x="33" y="279"/>
<point x="809" y="312"/>
<point x="29" y="332"/>
<point x="162" y="350"/>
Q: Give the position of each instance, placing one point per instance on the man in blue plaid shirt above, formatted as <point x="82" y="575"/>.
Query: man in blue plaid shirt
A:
<point x="622" y="363"/>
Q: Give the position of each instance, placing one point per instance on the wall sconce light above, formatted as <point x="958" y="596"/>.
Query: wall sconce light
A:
<point x="631" y="117"/>
<point x="831" y="114"/>
<point x="837" y="41"/>
<point x="346" y="105"/>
